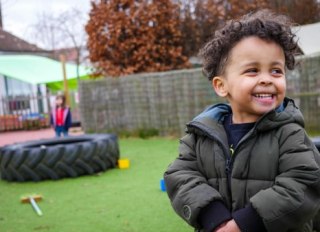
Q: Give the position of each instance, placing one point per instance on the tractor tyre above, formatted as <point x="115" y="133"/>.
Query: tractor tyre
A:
<point x="59" y="157"/>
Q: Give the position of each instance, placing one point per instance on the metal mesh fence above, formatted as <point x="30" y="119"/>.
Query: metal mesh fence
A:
<point x="167" y="101"/>
<point x="26" y="112"/>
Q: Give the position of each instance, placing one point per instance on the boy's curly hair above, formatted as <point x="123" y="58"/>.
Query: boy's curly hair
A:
<point x="264" y="24"/>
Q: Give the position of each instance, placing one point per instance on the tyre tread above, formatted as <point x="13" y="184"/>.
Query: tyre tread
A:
<point x="23" y="162"/>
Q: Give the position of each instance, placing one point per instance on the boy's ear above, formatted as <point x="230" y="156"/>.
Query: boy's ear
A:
<point x="219" y="86"/>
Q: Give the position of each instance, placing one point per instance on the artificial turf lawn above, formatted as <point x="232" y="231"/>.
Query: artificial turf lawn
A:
<point x="127" y="200"/>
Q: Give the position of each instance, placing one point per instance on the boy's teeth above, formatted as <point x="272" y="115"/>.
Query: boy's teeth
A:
<point x="263" y="95"/>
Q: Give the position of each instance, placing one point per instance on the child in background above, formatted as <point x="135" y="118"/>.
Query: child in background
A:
<point x="61" y="116"/>
<point x="248" y="165"/>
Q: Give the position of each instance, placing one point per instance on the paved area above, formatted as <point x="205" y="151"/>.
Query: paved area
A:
<point x="23" y="136"/>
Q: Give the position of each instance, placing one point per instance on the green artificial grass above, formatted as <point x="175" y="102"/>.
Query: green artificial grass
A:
<point x="128" y="200"/>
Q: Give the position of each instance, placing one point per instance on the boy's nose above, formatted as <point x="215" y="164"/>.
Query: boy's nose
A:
<point x="265" y="79"/>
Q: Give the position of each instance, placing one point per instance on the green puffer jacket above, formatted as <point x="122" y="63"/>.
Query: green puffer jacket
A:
<point x="275" y="168"/>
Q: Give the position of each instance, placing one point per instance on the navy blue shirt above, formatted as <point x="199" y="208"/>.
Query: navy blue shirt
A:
<point x="235" y="132"/>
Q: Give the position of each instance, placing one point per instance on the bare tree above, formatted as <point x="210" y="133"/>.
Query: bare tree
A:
<point x="72" y="30"/>
<point x="65" y="30"/>
<point x="46" y="32"/>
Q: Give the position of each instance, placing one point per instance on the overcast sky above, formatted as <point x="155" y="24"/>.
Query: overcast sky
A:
<point x="19" y="15"/>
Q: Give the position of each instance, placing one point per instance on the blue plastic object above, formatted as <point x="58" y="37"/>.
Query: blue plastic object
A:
<point x="162" y="185"/>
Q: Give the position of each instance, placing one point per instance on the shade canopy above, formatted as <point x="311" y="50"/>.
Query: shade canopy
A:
<point x="37" y="69"/>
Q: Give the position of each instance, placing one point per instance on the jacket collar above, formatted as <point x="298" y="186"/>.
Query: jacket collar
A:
<point x="210" y="121"/>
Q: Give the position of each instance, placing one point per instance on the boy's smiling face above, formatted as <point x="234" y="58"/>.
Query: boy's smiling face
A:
<point x="254" y="79"/>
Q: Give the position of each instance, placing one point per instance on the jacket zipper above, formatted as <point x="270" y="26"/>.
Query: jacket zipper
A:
<point x="230" y="159"/>
<point x="229" y="163"/>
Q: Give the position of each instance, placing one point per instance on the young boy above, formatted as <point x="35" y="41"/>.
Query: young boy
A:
<point x="247" y="165"/>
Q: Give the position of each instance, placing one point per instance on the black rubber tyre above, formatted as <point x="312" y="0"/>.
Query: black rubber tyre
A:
<point x="59" y="158"/>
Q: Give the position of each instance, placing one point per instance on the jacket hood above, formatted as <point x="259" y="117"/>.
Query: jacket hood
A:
<point x="212" y="118"/>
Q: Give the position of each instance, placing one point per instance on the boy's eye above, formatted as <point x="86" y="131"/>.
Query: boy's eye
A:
<point x="251" y="71"/>
<point x="276" y="71"/>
